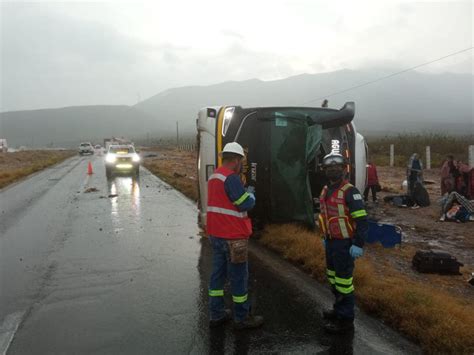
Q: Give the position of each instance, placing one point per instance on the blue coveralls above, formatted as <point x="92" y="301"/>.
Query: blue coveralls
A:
<point x="223" y="269"/>
<point x="339" y="263"/>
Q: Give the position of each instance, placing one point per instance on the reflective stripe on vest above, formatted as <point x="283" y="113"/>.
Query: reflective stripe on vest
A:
<point x="226" y="211"/>
<point x="335" y="211"/>
<point x="224" y="219"/>
<point x="218" y="176"/>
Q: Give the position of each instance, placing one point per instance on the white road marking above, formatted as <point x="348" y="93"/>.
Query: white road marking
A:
<point x="8" y="328"/>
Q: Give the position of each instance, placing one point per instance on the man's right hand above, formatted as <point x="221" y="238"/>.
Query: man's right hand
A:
<point x="325" y="243"/>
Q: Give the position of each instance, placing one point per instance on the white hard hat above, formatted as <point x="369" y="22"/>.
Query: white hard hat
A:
<point x="334" y="159"/>
<point x="235" y="148"/>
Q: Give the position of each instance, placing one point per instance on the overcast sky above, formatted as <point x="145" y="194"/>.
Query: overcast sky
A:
<point x="56" y="54"/>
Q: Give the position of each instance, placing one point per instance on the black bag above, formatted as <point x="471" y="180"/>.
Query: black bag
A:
<point x="420" y="195"/>
<point x="436" y="261"/>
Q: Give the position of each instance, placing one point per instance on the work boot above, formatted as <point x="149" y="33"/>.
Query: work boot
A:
<point x="249" y="323"/>
<point x="339" y="326"/>
<point x="329" y="314"/>
<point x="213" y="323"/>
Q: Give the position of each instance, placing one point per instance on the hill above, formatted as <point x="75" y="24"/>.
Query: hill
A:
<point x="409" y="102"/>
<point x="70" y="125"/>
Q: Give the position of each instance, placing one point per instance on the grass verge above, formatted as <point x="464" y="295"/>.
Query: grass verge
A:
<point x="439" y="321"/>
<point x="177" y="169"/>
<point x="17" y="165"/>
<point x="407" y="144"/>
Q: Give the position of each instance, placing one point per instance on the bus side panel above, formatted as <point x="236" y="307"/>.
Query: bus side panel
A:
<point x="206" y="158"/>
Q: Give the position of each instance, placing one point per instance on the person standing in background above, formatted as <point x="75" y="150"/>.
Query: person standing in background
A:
<point x="414" y="173"/>
<point x="372" y="182"/>
<point x="449" y="173"/>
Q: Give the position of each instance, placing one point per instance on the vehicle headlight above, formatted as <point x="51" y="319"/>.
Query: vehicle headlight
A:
<point x="136" y="158"/>
<point x="110" y="158"/>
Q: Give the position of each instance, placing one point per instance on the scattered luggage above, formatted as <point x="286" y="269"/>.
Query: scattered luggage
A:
<point x="420" y="195"/>
<point x="387" y="234"/>
<point x="399" y="200"/>
<point x="436" y="261"/>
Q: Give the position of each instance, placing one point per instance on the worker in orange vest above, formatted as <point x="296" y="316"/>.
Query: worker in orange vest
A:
<point x="229" y="229"/>
<point x="344" y="227"/>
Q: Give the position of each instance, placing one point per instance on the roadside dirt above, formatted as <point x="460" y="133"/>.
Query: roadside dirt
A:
<point x="423" y="230"/>
<point x="177" y="168"/>
<point x="16" y="165"/>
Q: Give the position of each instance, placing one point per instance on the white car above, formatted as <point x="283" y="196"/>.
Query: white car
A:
<point x="86" y="148"/>
<point x="122" y="159"/>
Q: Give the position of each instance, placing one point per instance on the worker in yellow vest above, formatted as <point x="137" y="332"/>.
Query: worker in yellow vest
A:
<point x="343" y="224"/>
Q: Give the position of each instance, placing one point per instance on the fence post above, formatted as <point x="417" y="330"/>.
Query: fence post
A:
<point x="392" y="155"/>
<point x="428" y="157"/>
<point x="471" y="156"/>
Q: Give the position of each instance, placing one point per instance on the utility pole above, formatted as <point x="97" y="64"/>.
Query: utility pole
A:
<point x="392" y="155"/>
<point x="177" y="134"/>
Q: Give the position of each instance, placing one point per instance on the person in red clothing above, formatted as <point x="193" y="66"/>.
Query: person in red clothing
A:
<point x="372" y="182"/>
<point x="229" y="228"/>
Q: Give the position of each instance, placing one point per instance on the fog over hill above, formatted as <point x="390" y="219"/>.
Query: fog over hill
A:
<point x="410" y="102"/>
<point x="70" y="125"/>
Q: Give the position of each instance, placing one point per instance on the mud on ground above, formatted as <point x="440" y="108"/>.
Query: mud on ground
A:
<point x="423" y="230"/>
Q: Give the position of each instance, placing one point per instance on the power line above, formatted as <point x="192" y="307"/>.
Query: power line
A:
<point x="389" y="76"/>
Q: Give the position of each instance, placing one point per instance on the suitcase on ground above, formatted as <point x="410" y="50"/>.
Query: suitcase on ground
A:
<point x="436" y="261"/>
<point x="387" y="234"/>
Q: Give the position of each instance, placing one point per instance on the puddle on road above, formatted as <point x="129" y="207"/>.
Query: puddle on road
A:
<point x="126" y="199"/>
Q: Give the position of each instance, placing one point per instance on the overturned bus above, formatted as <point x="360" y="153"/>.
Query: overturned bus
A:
<point x="284" y="147"/>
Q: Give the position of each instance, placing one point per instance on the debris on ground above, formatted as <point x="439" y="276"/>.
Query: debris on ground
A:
<point x="90" y="189"/>
<point x="436" y="261"/>
<point x="112" y="195"/>
<point x="178" y="175"/>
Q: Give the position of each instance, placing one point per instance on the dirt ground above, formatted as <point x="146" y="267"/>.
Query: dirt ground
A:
<point x="177" y="168"/>
<point x="16" y="165"/>
<point x="422" y="230"/>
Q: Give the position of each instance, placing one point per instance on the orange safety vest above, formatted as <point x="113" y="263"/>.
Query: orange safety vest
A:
<point x="223" y="219"/>
<point x="335" y="221"/>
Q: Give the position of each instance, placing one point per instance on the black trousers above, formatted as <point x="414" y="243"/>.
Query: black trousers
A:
<point x="374" y="193"/>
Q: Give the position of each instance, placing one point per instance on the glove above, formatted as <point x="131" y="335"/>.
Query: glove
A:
<point x="252" y="196"/>
<point x="325" y="243"/>
<point x="356" y="252"/>
<point x="250" y="189"/>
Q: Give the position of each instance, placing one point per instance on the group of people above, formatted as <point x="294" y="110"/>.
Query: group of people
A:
<point x="342" y="221"/>
<point x="454" y="176"/>
<point x="455" y="204"/>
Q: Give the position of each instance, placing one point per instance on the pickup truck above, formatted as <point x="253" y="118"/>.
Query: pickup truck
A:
<point x="122" y="159"/>
<point x="86" y="148"/>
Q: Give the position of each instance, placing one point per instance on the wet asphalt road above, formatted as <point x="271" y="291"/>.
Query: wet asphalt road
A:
<point x="127" y="274"/>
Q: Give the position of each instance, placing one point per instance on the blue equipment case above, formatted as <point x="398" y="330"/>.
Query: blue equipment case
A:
<point x="387" y="234"/>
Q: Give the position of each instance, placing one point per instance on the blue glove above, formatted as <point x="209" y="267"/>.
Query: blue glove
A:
<point x="325" y="243"/>
<point x="250" y="189"/>
<point x="356" y="252"/>
<point x="252" y="196"/>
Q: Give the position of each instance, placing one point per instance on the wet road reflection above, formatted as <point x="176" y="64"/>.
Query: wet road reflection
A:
<point x="125" y="271"/>
<point x="124" y="195"/>
<point x="292" y="321"/>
